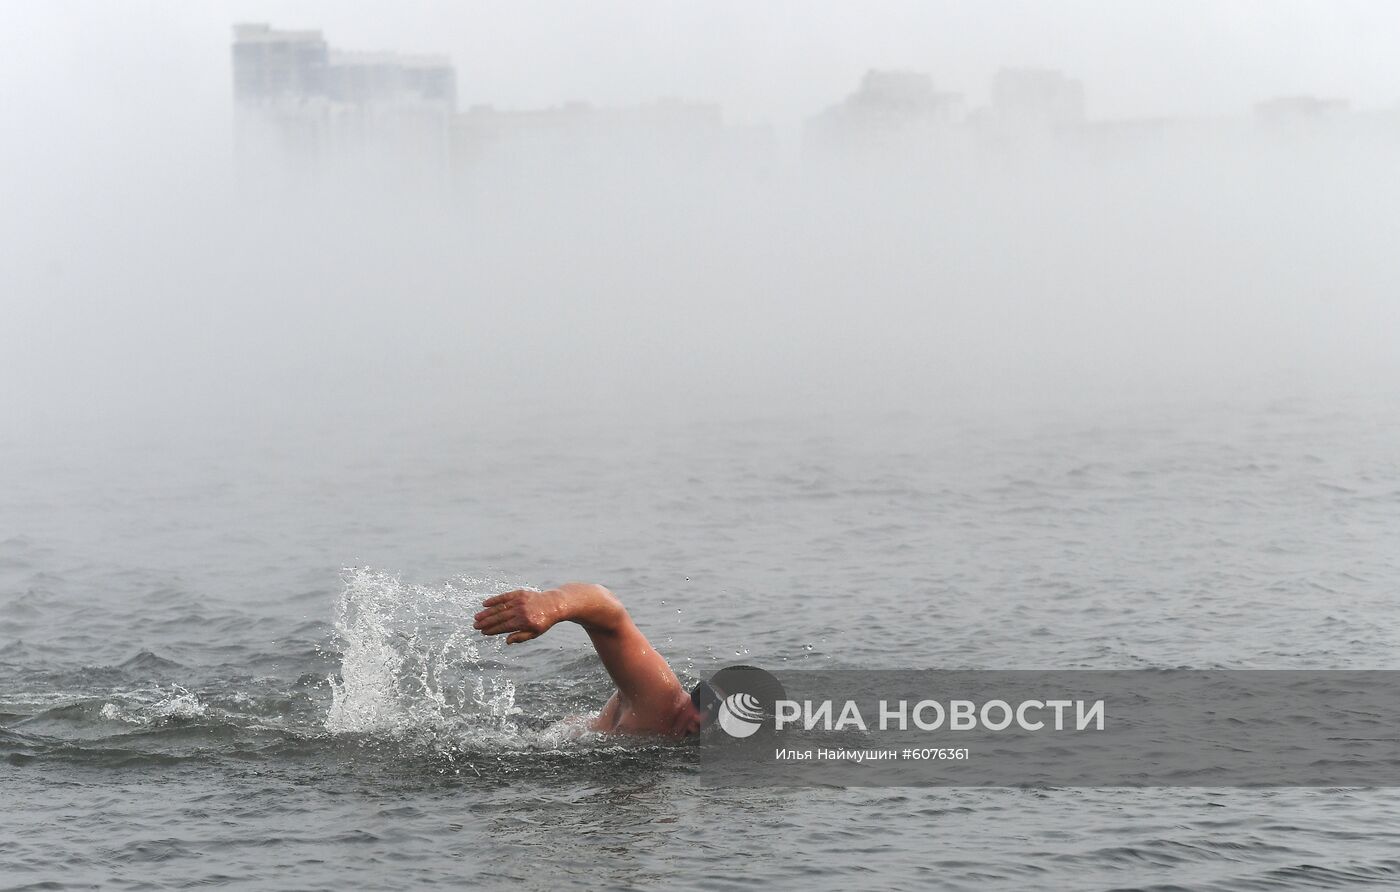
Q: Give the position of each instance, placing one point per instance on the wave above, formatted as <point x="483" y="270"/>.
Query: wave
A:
<point x="145" y="661"/>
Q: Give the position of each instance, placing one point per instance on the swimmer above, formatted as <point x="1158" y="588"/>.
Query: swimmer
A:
<point x="649" y="698"/>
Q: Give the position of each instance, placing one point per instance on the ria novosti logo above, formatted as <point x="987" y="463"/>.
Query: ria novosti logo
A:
<point x="741" y="714"/>
<point x="744" y="700"/>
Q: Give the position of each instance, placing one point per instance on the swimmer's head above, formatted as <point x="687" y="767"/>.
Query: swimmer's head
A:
<point x="706" y="699"/>
<point x="756" y="690"/>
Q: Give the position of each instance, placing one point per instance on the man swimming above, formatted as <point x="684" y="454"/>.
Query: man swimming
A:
<point x="649" y="697"/>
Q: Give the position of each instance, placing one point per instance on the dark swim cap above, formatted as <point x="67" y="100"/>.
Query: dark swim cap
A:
<point x="742" y="681"/>
<point x="707" y="699"/>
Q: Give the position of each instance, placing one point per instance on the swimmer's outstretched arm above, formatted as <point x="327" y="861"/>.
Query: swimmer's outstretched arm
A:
<point x="649" y="689"/>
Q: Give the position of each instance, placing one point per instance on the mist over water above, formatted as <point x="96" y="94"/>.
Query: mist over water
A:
<point x="1049" y="282"/>
<point x="154" y="283"/>
<point x="963" y="392"/>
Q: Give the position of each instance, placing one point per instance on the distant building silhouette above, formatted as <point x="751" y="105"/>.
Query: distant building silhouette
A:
<point x="890" y="110"/>
<point x="271" y="66"/>
<point x="302" y="102"/>
<point x="901" y="96"/>
<point x="298" y="100"/>
<point x="302" y="105"/>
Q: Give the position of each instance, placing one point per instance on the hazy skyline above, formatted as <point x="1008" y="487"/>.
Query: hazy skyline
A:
<point x="762" y="63"/>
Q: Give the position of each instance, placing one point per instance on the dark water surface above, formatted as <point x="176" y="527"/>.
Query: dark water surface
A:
<point x="194" y="691"/>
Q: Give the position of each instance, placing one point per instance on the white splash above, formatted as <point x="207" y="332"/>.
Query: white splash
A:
<point x="410" y="662"/>
<point x="181" y="704"/>
<point x="144" y="707"/>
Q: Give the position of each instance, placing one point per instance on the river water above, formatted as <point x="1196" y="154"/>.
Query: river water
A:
<point x="249" y="661"/>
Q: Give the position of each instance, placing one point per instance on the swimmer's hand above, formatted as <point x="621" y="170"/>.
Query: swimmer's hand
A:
<point x="523" y="613"/>
<point x="527" y="614"/>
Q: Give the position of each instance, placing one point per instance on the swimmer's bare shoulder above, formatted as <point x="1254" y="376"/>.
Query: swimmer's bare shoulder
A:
<point x="649" y="698"/>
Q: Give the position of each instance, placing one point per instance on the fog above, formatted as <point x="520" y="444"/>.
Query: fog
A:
<point x="1171" y="241"/>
